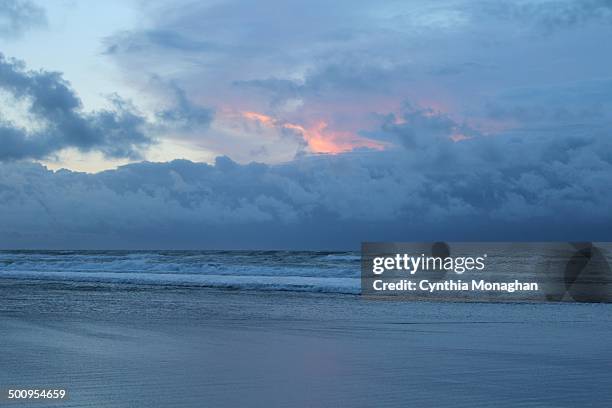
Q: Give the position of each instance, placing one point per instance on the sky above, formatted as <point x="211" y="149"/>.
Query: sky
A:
<point x="294" y="124"/>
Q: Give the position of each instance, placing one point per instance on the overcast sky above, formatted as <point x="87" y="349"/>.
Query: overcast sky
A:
<point x="309" y="124"/>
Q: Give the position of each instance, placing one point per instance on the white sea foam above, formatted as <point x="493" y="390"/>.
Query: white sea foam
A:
<point x="253" y="282"/>
<point x="257" y="270"/>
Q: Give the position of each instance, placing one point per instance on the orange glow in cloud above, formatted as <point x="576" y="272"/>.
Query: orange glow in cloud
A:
<point x="265" y="119"/>
<point x="319" y="137"/>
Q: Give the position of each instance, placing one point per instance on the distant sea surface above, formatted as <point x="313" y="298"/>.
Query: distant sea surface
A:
<point x="301" y="271"/>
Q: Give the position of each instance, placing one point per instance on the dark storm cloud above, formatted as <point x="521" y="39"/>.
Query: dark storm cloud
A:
<point x="585" y="103"/>
<point x="553" y="14"/>
<point x="183" y="115"/>
<point x="246" y="42"/>
<point x="305" y="62"/>
<point x="339" y="63"/>
<point x="294" y="49"/>
<point x="279" y="89"/>
<point x="424" y="127"/>
<point x="350" y="75"/>
<point x="57" y="110"/>
<point x="18" y="16"/>
<point x="431" y="189"/>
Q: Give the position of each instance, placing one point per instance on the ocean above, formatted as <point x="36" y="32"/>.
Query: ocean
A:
<point x="300" y="271"/>
<point x="280" y="329"/>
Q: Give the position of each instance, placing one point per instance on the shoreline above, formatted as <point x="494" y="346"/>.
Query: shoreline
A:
<point x="96" y="286"/>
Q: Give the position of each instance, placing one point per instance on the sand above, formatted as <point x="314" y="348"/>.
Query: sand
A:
<point x="139" y="346"/>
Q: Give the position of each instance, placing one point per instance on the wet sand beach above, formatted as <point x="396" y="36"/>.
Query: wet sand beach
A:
<point x="155" y="346"/>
